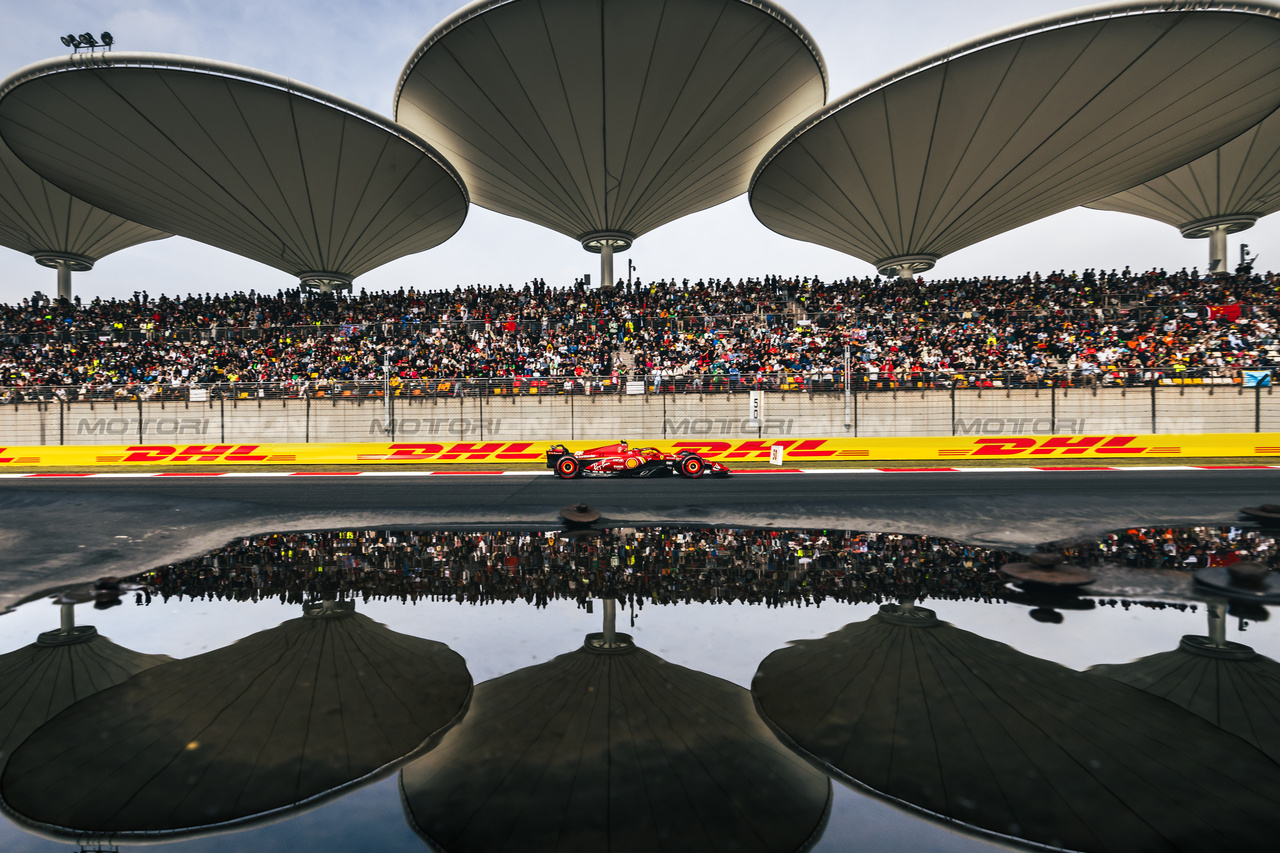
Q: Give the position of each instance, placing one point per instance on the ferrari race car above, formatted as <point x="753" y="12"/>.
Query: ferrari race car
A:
<point x="622" y="460"/>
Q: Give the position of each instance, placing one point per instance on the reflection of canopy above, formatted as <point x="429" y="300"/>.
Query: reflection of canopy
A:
<point x="609" y="116"/>
<point x="38" y="218"/>
<point x="276" y="720"/>
<point x="1019" y="125"/>
<point x="1228" y="684"/>
<point x="620" y="751"/>
<point x="1240" y="180"/>
<point x="243" y="160"/>
<point x="977" y="732"/>
<point x="39" y="680"/>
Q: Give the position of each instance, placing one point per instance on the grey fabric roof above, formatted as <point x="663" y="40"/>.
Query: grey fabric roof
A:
<point x="246" y="161"/>
<point x="278" y="720"/>
<point x="613" y="752"/>
<point x="1241" y="177"/>
<point x="36" y="216"/>
<point x="609" y="115"/>
<point x="975" y="731"/>
<point x="1022" y="124"/>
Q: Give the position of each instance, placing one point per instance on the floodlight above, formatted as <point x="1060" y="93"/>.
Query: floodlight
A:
<point x="108" y="39"/>
<point x="88" y="40"/>
<point x="73" y="40"/>
<point x="66" y="41"/>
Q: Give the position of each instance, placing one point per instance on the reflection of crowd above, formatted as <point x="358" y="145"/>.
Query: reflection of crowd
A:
<point x="659" y="566"/>
<point x="1179" y="548"/>
<point x="710" y="335"/>
<point x="656" y="565"/>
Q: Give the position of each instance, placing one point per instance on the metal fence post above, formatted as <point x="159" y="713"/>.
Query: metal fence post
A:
<point x="1053" y="408"/>
<point x="307" y="420"/>
<point x="62" y="421"/>
<point x="1154" y="430"/>
<point x="140" y="420"/>
<point x="222" y="419"/>
<point x="953" y="407"/>
<point x="1257" y="408"/>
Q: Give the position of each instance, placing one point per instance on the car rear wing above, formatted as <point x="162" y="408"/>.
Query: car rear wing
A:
<point x="555" y="453"/>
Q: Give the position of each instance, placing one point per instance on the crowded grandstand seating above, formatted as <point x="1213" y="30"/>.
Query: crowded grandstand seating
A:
<point x="775" y="334"/>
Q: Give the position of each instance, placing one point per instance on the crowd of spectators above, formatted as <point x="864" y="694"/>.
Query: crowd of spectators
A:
<point x="778" y="333"/>
<point x="656" y="565"/>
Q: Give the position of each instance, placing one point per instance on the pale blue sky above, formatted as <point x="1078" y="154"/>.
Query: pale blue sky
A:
<point x="357" y="50"/>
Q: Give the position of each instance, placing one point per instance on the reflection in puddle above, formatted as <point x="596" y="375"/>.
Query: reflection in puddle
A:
<point x="614" y="745"/>
<point x="972" y="730"/>
<point x="611" y="747"/>
<point x="271" y="722"/>
<point x="1227" y="683"/>
<point x="62" y="667"/>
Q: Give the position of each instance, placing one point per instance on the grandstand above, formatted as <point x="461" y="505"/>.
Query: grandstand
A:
<point x="770" y="333"/>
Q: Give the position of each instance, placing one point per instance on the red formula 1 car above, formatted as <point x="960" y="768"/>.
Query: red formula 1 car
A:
<point x="622" y="460"/>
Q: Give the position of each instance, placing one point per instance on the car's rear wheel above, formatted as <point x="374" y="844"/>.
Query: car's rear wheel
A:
<point x="568" y="468"/>
<point x="692" y="466"/>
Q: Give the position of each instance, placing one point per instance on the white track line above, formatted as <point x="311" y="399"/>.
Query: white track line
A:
<point x="180" y="475"/>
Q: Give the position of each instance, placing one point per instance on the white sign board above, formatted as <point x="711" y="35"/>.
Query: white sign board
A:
<point x="775" y="454"/>
<point x="753" y="413"/>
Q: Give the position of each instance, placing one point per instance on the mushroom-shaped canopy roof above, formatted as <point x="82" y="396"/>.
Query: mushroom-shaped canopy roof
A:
<point x="1018" y="125"/>
<point x="1235" y="688"/>
<point x="38" y="218"/>
<point x="281" y="719"/>
<point x="247" y="161"/>
<point x="977" y="732"/>
<point x="623" y="751"/>
<point x="589" y="116"/>
<point x="1239" y="181"/>
<point x="39" y="680"/>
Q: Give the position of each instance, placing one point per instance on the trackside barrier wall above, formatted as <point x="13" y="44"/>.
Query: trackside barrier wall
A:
<point x="873" y="414"/>
<point x="1088" y="448"/>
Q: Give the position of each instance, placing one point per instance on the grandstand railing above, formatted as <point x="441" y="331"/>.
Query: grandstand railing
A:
<point x="815" y="382"/>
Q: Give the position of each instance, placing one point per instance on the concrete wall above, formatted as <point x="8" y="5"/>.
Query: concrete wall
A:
<point x="1192" y="409"/>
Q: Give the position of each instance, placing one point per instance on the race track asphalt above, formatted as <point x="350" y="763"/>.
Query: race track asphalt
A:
<point x="522" y="492"/>
<point x="65" y="530"/>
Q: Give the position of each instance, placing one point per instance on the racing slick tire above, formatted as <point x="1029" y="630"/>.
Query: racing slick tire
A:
<point x="692" y="466"/>
<point x="568" y="467"/>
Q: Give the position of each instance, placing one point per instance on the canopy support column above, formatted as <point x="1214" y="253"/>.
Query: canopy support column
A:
<point x="64" y="280"/>
<point x="606" y="265"/>
<point x="325" y="282"/>
<point x="610" y="622"/>
<point x="906" y="267"/>
<point x="65" y="263"/>
<point x="1217" y="624"/>
<point x="1218" y="250"/>
<point x="1216" y="229"/>
<point x="606" y="243"/>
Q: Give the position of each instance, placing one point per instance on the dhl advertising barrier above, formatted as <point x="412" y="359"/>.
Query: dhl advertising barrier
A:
<point x="498" y="454"/>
